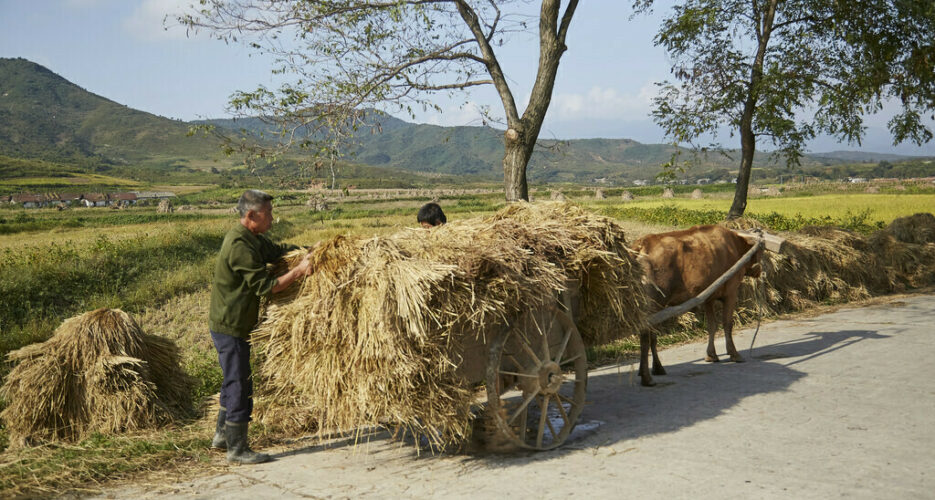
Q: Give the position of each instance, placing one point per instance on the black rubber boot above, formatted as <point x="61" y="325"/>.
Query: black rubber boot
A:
<point x="237" y="449"/>
<point x="220" y="440"/>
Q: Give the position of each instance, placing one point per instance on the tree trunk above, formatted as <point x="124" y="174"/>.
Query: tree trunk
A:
<point x="747" y="148"/>
<point x="747" y="137"/>
<point x="522" y="132"/>
<point x="516" y="156"/>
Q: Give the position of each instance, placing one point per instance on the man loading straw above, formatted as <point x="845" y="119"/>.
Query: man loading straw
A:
<point x="240" y="281"/>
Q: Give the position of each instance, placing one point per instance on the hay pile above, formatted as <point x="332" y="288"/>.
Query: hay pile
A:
<point x="372" y="336"/>
<point x="98" y="373"/>
<point x="828" y="265"/>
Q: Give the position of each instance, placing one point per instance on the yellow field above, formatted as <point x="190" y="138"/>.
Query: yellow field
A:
<point x="882" y="207"/>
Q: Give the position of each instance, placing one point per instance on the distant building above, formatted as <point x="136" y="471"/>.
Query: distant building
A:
<point x="94" y="200"/>
<point x="856" y="180"/>
<point x="70" y="198"/>
<point x="640" y="182"/>
<point x="123" y="199"/>
<point x="27" y="200"/>
<point x="153" y="195"/>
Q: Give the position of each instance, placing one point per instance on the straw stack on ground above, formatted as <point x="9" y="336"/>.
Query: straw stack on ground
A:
<point x="372" y="336"/>
<point x="98" y="373"/>
<point x="824" y="264"/>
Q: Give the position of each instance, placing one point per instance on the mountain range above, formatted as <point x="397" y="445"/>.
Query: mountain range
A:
<point x="45" y="117"/>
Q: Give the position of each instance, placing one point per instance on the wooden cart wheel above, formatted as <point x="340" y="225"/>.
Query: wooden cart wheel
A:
<point x="537" y="376"/>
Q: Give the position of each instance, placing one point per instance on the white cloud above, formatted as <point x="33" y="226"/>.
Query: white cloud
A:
<point x="603" y="103"/>
<point x="154" y="20"/>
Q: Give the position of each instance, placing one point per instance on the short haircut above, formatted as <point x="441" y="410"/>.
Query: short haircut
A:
<point x="432" y="214"/>
<point x="252" y="199"/>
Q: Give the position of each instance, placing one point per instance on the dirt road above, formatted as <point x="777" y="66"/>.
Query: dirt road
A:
<point x="841" y="404"/>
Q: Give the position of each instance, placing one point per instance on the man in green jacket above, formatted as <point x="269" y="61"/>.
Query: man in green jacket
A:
<point x="240" y="282"/>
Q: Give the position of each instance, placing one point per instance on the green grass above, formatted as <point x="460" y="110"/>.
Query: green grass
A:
<point x="55" y="470"/>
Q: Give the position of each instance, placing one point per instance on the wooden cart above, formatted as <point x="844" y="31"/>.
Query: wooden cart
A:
<point x="534" y="372"/>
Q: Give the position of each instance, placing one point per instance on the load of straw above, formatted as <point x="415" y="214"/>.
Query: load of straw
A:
<point x="372" y="336"/>
<point x="98" y="373"/>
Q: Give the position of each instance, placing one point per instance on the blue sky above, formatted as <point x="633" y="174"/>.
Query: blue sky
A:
<point x="119" y="49"/>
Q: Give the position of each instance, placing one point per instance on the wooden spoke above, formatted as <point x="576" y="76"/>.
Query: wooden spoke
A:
<point x="523" y="406"/>
<point x="532" y="354"/>
<point x="549" y="421"/>
<point x="543" y="417"/>
<point x="564" y="398"/>
<point x="561" y="350"/>
<point x="517" y="374"/>
<point x="561" y="411"/>
<point x="569" y="360"/>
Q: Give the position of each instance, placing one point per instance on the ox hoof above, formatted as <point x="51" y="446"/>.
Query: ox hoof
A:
<point x="658" y="370"/>
<point x="736" y="358"/>
<point x="647" y="382"/>
<point x="711" y="359"/>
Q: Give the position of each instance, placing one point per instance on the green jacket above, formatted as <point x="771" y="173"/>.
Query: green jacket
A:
<point x="241" y="280"/>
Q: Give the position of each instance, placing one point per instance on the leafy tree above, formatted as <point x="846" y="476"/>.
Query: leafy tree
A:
<point x="355" y="54"/>
<point x="787" y="70"/>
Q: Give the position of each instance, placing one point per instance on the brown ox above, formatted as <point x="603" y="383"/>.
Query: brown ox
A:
<point x="678" y="266"/>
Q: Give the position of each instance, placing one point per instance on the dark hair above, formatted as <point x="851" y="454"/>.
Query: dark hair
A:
<point x="432" y="214"/>
<point x="252" y="199"/>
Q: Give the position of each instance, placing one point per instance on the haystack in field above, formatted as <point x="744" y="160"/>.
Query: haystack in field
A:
<point x="98" y="373"/>
<point x="372" y="335"/>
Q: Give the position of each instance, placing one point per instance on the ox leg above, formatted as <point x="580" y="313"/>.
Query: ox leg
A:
<point x="727" y="317"/>
<point x="657" y="365"/>
<point x="646" y="339"/>
<point x="711" y="324"/>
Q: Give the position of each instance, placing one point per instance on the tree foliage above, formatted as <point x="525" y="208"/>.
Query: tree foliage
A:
<point x="337" y="57"/>
<point x="784" y="71"/>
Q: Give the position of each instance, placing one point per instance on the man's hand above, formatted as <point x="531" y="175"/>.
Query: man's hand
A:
<point x="300" y="270"/>
<point x="304" y="266"/>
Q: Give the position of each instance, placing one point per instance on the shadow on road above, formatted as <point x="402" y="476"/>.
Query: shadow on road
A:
<point x="692" y="392"/>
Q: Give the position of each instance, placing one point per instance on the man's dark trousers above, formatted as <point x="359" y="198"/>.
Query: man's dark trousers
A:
<point x="237" y="388"/>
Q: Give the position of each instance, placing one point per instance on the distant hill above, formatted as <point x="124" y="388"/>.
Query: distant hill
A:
<point x="44" y="117"/>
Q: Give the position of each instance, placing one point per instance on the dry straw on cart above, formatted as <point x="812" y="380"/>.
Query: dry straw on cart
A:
<point x="372" y="335"/>
<point x="98" y="373"/>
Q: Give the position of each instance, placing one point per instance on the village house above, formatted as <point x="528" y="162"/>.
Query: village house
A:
<point x="153" y="195"/>
<point x="27" y="200"/>
<point x="69" y="198"/>
<point x="94" y="200"/>
<point x="123" y="199"/>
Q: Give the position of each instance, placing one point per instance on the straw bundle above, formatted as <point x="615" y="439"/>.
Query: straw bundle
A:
<point x="824" y="264"/>
<point x="374" y="334"/>
<point x="98" y="373"/>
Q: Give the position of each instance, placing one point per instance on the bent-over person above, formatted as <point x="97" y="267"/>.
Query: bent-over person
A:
<point x="241" y="280"/>
<point x="431" y="215"/>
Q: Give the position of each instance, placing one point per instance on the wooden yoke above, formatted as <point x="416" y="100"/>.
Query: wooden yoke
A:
<point x="772" y="242"/>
